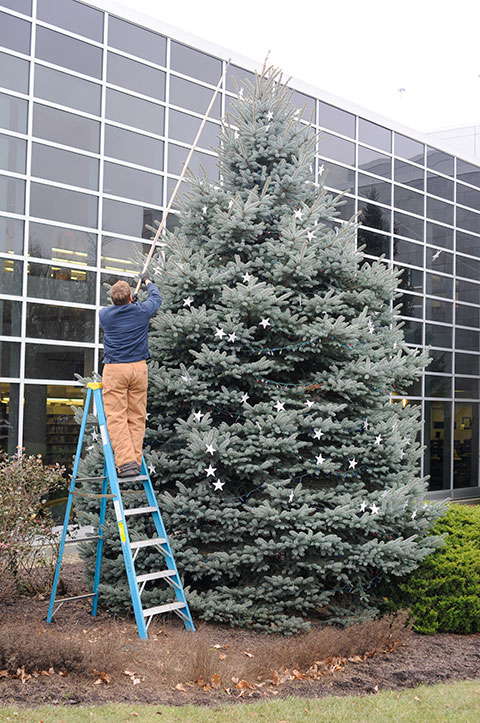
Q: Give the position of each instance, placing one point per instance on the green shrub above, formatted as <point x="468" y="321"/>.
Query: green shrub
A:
<point x="443" y="594"/>
<point x="27" y="542"/>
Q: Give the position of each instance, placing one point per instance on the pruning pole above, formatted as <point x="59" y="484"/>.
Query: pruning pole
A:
<point x="177" y="186"/>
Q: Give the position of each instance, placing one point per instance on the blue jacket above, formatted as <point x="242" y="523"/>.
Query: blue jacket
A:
<point x="125" y="328"/>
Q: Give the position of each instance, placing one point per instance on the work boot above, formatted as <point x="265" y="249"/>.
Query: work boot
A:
<point x="129" y="469"/>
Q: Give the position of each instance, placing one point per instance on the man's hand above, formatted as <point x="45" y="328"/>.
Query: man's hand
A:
<point x="145" y="278"/>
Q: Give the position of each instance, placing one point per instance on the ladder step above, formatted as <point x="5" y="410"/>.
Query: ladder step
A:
<point x="163" y="609"/>
<point x="91" y="495"/>
<point x="155" y="575"/>
<point x="139" y="511"/>
<point x="88" y="479"/>
<point x="81" y="539"/>
<point x="147" y="543"/>
<point x="75" y="597"/>
<point x="138" y="478"/>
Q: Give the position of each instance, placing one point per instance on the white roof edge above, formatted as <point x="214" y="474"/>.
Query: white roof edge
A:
<point x="206" y="46"/>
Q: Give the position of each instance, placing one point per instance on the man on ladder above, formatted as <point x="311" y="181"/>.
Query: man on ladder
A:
<point x="125" y="374"/>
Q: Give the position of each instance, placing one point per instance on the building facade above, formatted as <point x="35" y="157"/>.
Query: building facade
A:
<point x="98" y="109"/>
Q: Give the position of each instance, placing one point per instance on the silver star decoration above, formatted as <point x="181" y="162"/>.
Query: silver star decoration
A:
<point x="241" y="92"/>
<point x="185" y="378"/>
<point x="395" y="345"/>
<point x="363" y="507"/>
<point x="198" y="415"/>
<point x="232" y="337"/>
<point x="235" y="134"/>
<point x="317" y="433"/>
<point x="244" y="398"/>
<point x="366" y="424"/>
<point x="299" y="213"/>
<point x="204" y="210"/>
<point x="401" y="454"/>
<point x="378" y="439"/>
<point x="436" y="255"/>
<point x="209" y="448"/>
<point x="290" y="498"/>
<point x="353" y="463"/>
<point x="147" y="416"/>
<point x="297" y="112"/>
<point x="230" y="203"/>
<point x="375" y="510"/>
<point x="321" y="169"/>
<point x="220" y="333"/>
<point x="320" y="459"/>
<point x="265" y="323"/>
<point x="267" y="127"/>
<point x="90" y="447"/>
<point x="188" y="301"/>
<point x="246" y="277"/>
<point x="94" y="435"/>
<point x="210" y="471"/>
<point x="371" y="329"/>
<point x="280" y="406"/>
<point x="309" y="403"/>
<point x="310" y="235"/>
<point x="269" y="115"/>
<point x="218" y="485"/>
<point x="151" y="468"/>
<point x="414" y="514"/>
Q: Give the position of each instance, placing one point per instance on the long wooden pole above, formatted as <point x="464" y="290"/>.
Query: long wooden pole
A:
<point x="177" y="186"/>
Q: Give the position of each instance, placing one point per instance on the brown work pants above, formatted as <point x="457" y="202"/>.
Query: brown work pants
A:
<point x="125" y="404"/>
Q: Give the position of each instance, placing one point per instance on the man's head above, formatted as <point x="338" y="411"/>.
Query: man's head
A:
<point x="121" y="293"/>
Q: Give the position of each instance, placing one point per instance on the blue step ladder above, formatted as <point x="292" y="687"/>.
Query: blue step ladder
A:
<point x="110" y="480"/>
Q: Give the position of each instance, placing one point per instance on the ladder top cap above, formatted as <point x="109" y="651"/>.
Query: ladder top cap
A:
<point x="94" y="385"/>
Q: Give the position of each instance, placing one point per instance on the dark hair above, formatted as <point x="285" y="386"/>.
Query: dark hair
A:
<point x="120" y="293"/>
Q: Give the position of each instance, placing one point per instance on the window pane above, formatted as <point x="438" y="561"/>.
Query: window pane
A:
<point x="14" y="73"/>
<point x="61" y="282"/>
<point x="15" y="33"/>
<point x="9" y="359"/>
<point x="62" y="244"/>
<point x="468" y="244"/>
<point x="409" y="175"/>
<point x="128" y="219"/>
<point x="58" y="204"/>
<point x="466" y="436"/>
<point x="337" y="149"/>
<point x="66" y="128"/>
<point x="74" y="16"/>
<point x="467" y="364"/>
<point x="470" y="268"/>
<point x="136" y="76"/>
<point x="441" y="361"/>
<point x="135" y="112"/>
<point x="236" y="76"/>
<point x="468" y="292"/>
<point x="195" y="63"/>
<point x="409" y="200"/>
<point x="177" y="155"/>
<point x="439" y="285"/>
<point x="468" y="220"/>
<point x="438" y="425"/>
<point x="439" y="186"/>
<point x="439" y="260"/>
<point x="46" y="361"/>
<point x="13" y="113"/>
<point x="45" y="321"/>
<point x="12" y="195"/>
<point x="21" y="6"/>
<point x="68" y="52"/>
<point x="438" y="335"/>
<point x="374" y="216"/>
<point x="13" y="154"/>
<point x="67" y="90"/>
<point x="439" y="311"/>
<point x="439" y="161"/>
<point x="136" y="40"/>
<point x="467" y="315"/>
<point x="438" y="386"/>
<point x="184" y="127"/>
<point x="467" y="389"/>
<point x="468" y="196"/>
<point x="64" y="166"/>
<point x="375" y="190"/>
<point x="410" y="305"/>
<point x="10" y="317"/>
<point x="439" y="235"/>
<point x="410" y="279"/>
<point x="339" y="177"/>
<point x="121" y="256"/>
<point x="132" y="183"/>
<point x="467" y="339"/>
<point x="408" y="148"/>
<point x="11" y="272"/>
<point x="133" y="147"/>
<point x="347" y="209"/>
<point x="336" y="120"/>
<point x="374" y="162"/>
<point x="439" y="211"/>
<point x="9" y="394"/>
<point x="412" y="331"/>
<point x="408" y="252"/>
<point x="468" y="173"/>
<point x="192" y="96"/>
<point x="376" y="244"/>
<point x="374" y="135"/>
<point x="11" y="235"/>
<point x="110" y="279"/>
<point x="408" y="226"/>
<point x="305" y="104"/>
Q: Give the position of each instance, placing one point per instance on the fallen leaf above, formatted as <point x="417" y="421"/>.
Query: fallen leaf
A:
<point x="216" y="681"/>
<point x="249" y="655"/>
<point x="200" y="682"/>
<point x="134" y="712"/>
<point x="417" y="698"/>
<point x="3" y="673"/>
<point x="222" y="656"/>
<point x="181" y="687"/>
<point x="63" y="673"/>
<point x="242" y="684"/>
<point x="275" y="678"/>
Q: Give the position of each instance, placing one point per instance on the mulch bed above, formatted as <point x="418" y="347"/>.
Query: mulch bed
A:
<point x="128" y="671"/>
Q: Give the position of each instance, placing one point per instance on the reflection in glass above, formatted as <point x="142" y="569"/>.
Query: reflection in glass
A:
<point x="409" y="175"/>
<point x="439" y="311"/>
<point x="468" y="292"/>
<point x="192" y="96"/>
<point x="407" y="252"/>
<point x="374" y="162"/>
<point x="409" y="226"/>
<point x="375" y="244"/>
<point x="467" y="339"/>
<point x="436" y="335"/>
<point x="439" y="235"/>
<point x="468" y="196"/>
<point x="66" y="128"/>
<point x="336" y="119"/>
<point x="68" y="90"/>
<point x="441" y="361"/>
<point x="47" y="361"/>
<point x="338" y="149"/>
<point x="408" y="148"/>
<point x="14" y="73"/>
<point x="133" y="147"/>
<point x="136" y="40"/>
<point x="15" y="33"/>
<point x="10" y="317"/>
<point x="467" y="244"/>
<point x="409" y="200"/>
<point x="438" y="386"/>
<point x="13" y="154"/>
<point x="467" y="315"/>
<point x="467" y="364"/>
<point x="305" y="104"/>
<point x="438" y="435"/>
<point x="468" y="267"/>
<point x="439" y="210"/>
<point x="374" y="216"/>
<point x="466" y="388"/>
<point x="11" y="271"/>
<point x="21" y="6"/>
<point x="195" y="63"/>
<point x="9" y="359"/>
<point x="66" y="167"/>
<point x="132" y="183"/>
<point x="12" y="195"/>
<point x="9" y="395"/>
<point x="237" y="76"/>
<point x="412" y="331"/>
<point x="339" y="177"/>
<point x="410" y="279"/>
<point x="184" y="127"/>
<point x="439" y="186"/>
<point x="66" y="323"/>
<point x="62" y="244"/>
<point x="439" y="260"/>
<point x="136" y="76"/>
<point x="347" y="208"/>
<point x="199" y="163"/>
<point x="107" y="281"/>
<point x="129" y="219"/>
<point x="61" y="283"/>
<point x="58" y="204"/>
<point x="68" y="52"/>
<point x="410" y="305"/>
<point x="468" y="172"/>
<point x="72" y="15"/>
<point x="121" y="256"/>
<point x="374" y="189"/>
<point x="465" y="445"/>
<point x="468" y="220"/>
<point x="135" y="112"/>
<point x="439" y="161"/>
<point x="13" y="113"/>
<point x="374" y="135"/>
